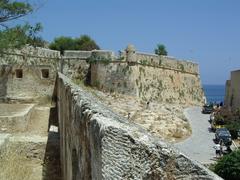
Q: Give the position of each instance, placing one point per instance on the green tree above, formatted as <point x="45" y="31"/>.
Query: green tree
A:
<point x="63" y="43"/>
<point x="19" y="35"/>
<point x="84" y="42"/>
<point x="161" y="50"/>
<point x="10" y="10"/>
<point x="228" y="167"/>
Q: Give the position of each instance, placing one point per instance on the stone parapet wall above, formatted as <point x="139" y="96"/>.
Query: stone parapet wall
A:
<point x="81" y="55"/>
<point x="98" y="144"/>
<point x="31" y="56"/>
<point x="167" y="62"/>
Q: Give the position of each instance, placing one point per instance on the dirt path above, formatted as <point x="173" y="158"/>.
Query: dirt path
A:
<point x="199" y="146"/>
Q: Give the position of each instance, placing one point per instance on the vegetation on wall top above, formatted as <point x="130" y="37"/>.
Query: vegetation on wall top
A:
<point x="161" y="50"/>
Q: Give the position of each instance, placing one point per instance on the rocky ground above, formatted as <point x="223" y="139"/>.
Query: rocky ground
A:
<point x="161" y="119"/>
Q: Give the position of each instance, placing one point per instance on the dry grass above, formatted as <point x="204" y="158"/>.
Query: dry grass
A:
<point x="14" y="163"/>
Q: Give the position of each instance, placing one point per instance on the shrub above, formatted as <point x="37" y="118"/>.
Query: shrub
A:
<point x="228" y="167"/>
<point x="233" y="128"/>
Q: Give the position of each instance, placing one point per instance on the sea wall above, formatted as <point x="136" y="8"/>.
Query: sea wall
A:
<point x="98" y="144"/>
<point x="232" y="91"/>
<point x="28" y="74"/>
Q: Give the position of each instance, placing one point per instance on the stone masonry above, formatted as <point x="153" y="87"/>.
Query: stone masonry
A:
<point x="150" y="77"/>
<point x="98" y="144"/>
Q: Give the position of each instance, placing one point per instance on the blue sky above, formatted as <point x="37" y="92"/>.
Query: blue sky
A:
<point x="204" y="31"/>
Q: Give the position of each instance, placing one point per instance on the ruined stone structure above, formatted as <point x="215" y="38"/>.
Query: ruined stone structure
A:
<point x="28" y="75"/>
<point x="95" y="143"/>
<point x="232" y="91"/>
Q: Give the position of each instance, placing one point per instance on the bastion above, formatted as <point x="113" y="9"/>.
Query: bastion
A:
<point x="149" y="77"/>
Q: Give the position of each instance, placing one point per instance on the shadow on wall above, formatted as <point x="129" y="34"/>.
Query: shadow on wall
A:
<point x="51" y="166"/>
<point x="4" y="73"/>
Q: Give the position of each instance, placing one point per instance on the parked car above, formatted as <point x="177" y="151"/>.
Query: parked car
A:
<point x="224" y="136"/>
<point x="207" y="109"/>
<point x="217" y="124"/>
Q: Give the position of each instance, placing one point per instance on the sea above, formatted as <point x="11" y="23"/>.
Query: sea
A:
<point x="214" y="93"/>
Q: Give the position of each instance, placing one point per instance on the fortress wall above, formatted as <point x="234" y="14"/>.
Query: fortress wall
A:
<point x="170" y="86"/>
<point x="235" y="87"/>
<point x="167" y="62"/>
<point x="113" y="77"/>
<point x="98" y="144"/>
<point x="228" y="93"/>
<point x="31" y="56"/>
<point x="232" y="96"/>
<point x="182" y="65"/>
<point x="148" y="82"/>
<point x="150" y="58"/>
<point x="28" y="74"/>
<point x="81" y="55"/>
<point x="75" y="65"/>
<point x="75" y="68"/>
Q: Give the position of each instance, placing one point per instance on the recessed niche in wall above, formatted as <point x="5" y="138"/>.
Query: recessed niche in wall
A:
<point x="45" y="73"/>
<point x="19" y="73"/>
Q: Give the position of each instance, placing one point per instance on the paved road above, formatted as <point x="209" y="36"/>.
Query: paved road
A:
<point x="199" y="146"/>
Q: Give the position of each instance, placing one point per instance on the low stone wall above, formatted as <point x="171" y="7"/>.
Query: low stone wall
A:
<point x="15" y="117"/>
<point x="98" y="144"/>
